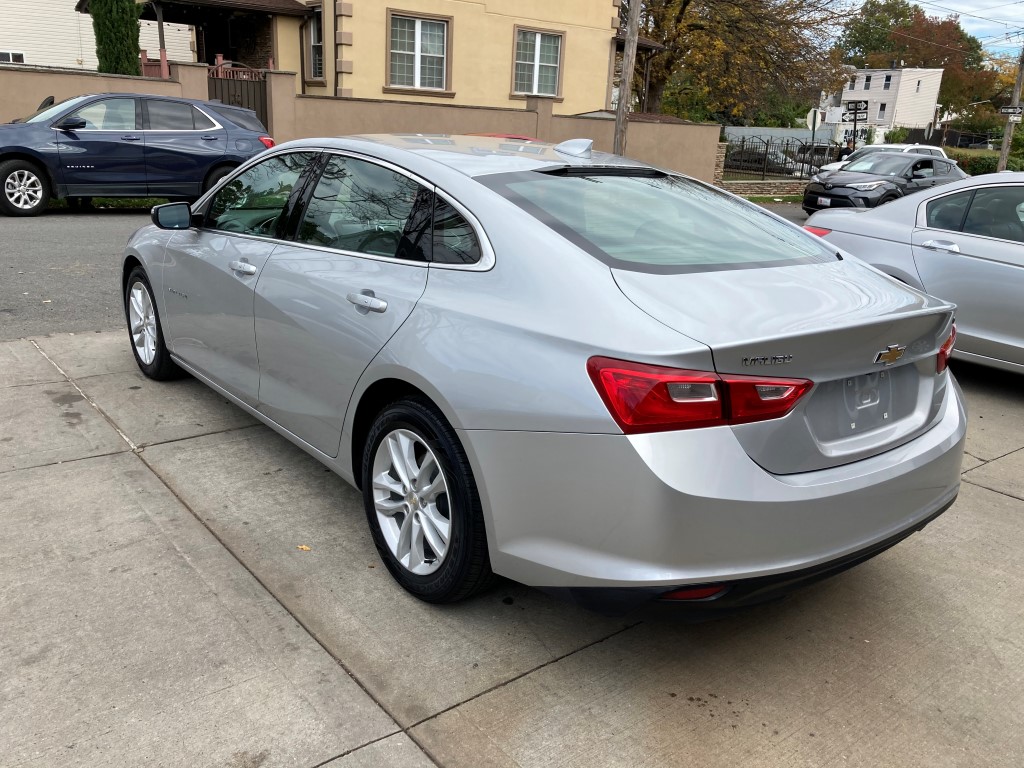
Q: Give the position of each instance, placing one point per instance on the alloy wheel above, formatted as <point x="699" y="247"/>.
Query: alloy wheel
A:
<point x="410" y="496"/>
<point x="23" y="189"/>
<point x="142" y="320"/>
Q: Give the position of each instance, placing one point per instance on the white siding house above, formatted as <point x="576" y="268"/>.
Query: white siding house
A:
<point x="54" y="34"/>
<point x="897" y="98"/>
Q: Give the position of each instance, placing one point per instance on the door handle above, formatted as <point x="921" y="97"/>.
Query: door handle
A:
<point x="208" y="138"/>
<point x="941" y="245"/>
<point x="130" y="138"/>
<point x="244" y="267"/>
<point x="367" y="302"/>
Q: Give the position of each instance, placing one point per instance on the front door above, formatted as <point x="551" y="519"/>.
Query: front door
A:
<point x="107" y="156"/>
<point x="210" y="272"/>
<point x="977" y="261"/>
<point x="182" y="145"/>
<point x="327" y="305"/>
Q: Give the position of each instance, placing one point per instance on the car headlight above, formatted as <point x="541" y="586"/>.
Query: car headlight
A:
<point x="815" y="179"/>
<point x="867" y="185"/>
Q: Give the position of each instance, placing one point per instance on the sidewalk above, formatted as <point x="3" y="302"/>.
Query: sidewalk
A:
<point x="155" y="609"/>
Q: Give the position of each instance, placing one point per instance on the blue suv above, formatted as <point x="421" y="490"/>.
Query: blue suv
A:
<point x="123" y="145"/>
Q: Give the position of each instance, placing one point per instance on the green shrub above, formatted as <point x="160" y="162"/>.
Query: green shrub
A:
<point x="975" y="163"/>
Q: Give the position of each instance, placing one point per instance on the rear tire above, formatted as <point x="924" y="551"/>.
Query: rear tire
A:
<point x="215" y="176"/>
<point x="422" y="504"/>
<point x="24" y="188"/>
<point x="144" y="329"/>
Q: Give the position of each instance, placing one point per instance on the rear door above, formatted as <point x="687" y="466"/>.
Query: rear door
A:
<point x="970" y="250"/>
<point x="107" y="156"/>
<point x="182" y="144"/>
<point x="210" y="272"/>
<point x="327" y="304"/>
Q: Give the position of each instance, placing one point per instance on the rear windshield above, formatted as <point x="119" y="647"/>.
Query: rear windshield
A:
<point x="655" y="222"/>
<point x="241" y="117"/>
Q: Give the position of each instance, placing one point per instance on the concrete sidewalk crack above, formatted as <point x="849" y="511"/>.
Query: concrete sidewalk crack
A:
<point x="89" y="400"/>
<point x="1008" y="495"/>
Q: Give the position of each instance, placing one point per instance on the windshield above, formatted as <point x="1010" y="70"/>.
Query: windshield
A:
<point x="865" y="151"/>
<point x="649" y="221"/>
<point x="49" y="113"/>
<point x="881" y="163"/>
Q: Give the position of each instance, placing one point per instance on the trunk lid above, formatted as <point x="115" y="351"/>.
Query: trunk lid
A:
<point x="822" y="322"/>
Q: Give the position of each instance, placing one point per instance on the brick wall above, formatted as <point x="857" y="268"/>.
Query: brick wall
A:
<point x="720" y="162"/>
<point x="775" y="188"/>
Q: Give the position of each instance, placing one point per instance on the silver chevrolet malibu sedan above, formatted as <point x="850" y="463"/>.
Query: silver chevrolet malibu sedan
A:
<point x="593" y="376"/>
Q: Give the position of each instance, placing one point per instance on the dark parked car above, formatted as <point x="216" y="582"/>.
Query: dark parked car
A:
<point x="123" y="145"/>
<point x="878" y="178"/>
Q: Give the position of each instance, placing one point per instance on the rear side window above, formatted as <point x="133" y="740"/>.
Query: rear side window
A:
<point x="170" y="116"/>
<point x="654" y="222"/>
<point x="202" y="122"/>
<point x="455" y="242"/>
<point x="997" y="212"/>
<point x="243" y="118"/>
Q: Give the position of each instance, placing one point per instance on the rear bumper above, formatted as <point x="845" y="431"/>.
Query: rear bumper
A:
<point x="653" y="512"/>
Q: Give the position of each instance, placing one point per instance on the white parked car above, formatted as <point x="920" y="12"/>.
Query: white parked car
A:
<point x="921" y="149"/>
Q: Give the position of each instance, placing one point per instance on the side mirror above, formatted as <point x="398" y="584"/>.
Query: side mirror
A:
<point x="70" y="124"/>
<point x="172" y="216"/>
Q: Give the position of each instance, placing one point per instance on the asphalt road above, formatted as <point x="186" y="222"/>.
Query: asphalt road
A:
<point x="58" y="272"/>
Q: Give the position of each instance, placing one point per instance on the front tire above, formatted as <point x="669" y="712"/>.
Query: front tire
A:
<point x="144" y="329"/>
<point x="24" y="189"/>
<point x="215" y="176"/>
<point x="422" y="504"/>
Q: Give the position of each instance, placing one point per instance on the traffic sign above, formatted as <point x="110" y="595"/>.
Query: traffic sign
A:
<point x="850" y="117"/>
<point x="1014" y="118"/>
<point x="1011" y="110"/>
<point x="856" y="105"/>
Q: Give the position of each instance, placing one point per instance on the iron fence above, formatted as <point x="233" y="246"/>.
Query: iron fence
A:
<point x="755" y="158"/>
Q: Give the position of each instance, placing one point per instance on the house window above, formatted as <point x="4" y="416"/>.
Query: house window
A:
<point x="918" y="86"/>
<point x="881" y="111"/>
<point x="316" y="45"/>
<point x="10" y="57"/>
<point x="538" y="58"/>
<point x="887" y="83"/>
<point x="867" y="82"/>
<point x="419" y="53"/>
<point x="853" y="82"/>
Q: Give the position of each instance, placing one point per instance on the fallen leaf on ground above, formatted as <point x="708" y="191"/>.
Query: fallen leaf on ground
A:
<point x="303" y="547"/>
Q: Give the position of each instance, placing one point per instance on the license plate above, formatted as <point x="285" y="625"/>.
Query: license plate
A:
<point x="824" y="202"/>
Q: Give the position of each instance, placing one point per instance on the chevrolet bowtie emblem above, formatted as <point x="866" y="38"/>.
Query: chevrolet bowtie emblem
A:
<point x="890" y="354"/>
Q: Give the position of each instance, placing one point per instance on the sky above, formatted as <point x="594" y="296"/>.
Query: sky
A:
<point x="991" y="21"/>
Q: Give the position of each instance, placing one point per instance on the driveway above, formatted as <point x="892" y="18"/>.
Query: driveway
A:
<point x="182" y="587"/>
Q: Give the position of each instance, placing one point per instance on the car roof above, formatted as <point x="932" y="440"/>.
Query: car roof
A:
<point x="197" y="102"/>
<point x="469" y="155"/>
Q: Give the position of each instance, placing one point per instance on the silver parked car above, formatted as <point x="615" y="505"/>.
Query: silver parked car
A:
<point x="571" y="369"/>
<point x="963" y="242"/>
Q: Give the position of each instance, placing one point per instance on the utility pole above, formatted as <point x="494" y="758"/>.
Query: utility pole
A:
<point x="1004" y="154"/>
<point x="626" y="76"/>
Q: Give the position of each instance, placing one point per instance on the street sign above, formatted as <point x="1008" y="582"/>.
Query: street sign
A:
<point x="834" y="115"/>
<point x="1014" y="118"/>
<point x="850" y="117"/>
<point x="814" y="119"/>
<point x="1011" y="111"/>
<point x="857" y="106"/>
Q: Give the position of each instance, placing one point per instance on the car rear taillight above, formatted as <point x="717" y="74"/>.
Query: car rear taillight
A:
<point x="267" y="142"/>
<point x="819" y="231"/>
<point x="652" y="398"/>
<point x="946" y="350"/>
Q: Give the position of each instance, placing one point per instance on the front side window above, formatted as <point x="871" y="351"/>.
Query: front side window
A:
<point x="255" y="202"/>
<point x="996" y="212"/>
<point x="538" y="56"/>
<point x="316" y="45"/>
<point x="108" y="115"/>
<point x="418" y="55"/>
<point x="364" y="208"/>
<point x="649" y="221"/>
<point x="948" y="212"/>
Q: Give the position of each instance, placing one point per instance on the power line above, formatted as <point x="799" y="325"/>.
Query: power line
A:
<point x="1004" y="22"/>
